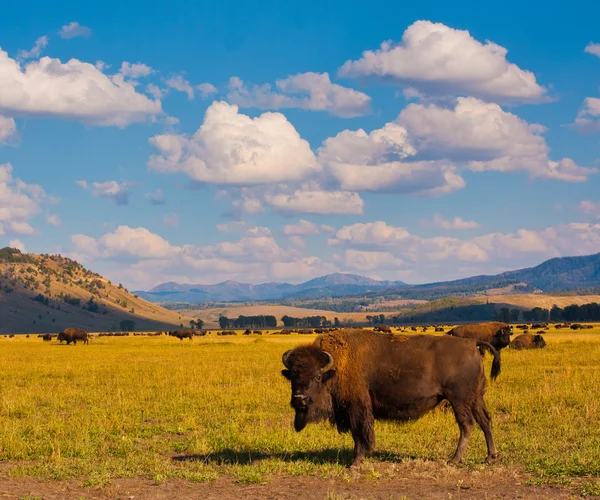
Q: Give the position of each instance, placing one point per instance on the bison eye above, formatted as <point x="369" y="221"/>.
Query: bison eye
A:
<point x="318" y="378"/>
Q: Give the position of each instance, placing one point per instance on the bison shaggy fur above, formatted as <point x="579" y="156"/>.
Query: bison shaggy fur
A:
<point x="353" y="377"/>
<point x="73" y="335"/>
<point x="495" y="333"/>
<point x="528" y="341"/>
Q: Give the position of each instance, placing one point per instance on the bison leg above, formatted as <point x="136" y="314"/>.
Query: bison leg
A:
<point x="361" y="426"/>
<point x="483" y="418"/>
<point x="464" y="419"/>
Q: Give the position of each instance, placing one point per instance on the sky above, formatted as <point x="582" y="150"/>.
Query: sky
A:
<point x="269" y="141"/>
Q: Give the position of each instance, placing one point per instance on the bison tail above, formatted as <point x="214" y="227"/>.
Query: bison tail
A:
<point x="496" y="363"/>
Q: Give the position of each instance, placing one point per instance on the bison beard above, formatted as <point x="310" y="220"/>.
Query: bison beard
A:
<point x="355" y="377"/>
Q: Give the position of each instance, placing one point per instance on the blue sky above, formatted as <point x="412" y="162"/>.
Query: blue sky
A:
<point x="266" y="141"/>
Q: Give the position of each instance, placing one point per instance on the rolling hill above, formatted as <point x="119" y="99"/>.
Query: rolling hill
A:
<point x="47" y="293"/>
<point x="564" y="274"/>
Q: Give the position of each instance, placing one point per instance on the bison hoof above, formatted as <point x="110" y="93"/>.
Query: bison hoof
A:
<point x="355" y="465"/>
<point x="490" y="459"/>
<point x="455" y="461"/>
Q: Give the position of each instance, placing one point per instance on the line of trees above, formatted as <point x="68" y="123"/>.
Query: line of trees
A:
<point x="261" y="321"/>
<point x="308" y="322"/>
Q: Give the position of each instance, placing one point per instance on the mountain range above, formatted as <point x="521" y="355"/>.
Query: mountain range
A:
<point x="562" y="274"/>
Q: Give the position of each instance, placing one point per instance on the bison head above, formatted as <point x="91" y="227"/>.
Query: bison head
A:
<point x="309" y="368"/>
<point x="61" y="336"/>
<point x="539" y="341"/>
<point x="503" y="337"/>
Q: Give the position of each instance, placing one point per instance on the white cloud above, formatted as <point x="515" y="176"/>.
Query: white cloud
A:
<point x="136" y="70"/>
<point x="588" y="118"/>
<point x="171" y="220"/>
<point x="305" y="228"/>
<point x="74" y="29"/>
<point x="19" y="203"/>
<point x="427" y="255"/>
<point x="258" y="231"/>
<point x="435" y="59"/>
<point x="231" y="148"/>
<point x="73" y="90"/>
<point x="156" y="198"/>
<point x="316" y="202"/>
<point x="125" y="242"/>
<point x="484" y="137"/>
<point x="206" y="89"/>
<point x="40" y="44"/>
<point x="53" y="219"/>
<point x="369" y="261"/>
<point x="111" y="190"/>
<point x="8" y="129"/>
<point x="18" y="244"/>
<point x="313" y="91"/>
<point x="155" y="91"/>
<point x="181" y="84"/>
<point x="231" y="226"/>
<point x="588" y="207"/>
<point x="456" y="223"/>
<point x="380" y="161"/>
<point x="593" y="48"/>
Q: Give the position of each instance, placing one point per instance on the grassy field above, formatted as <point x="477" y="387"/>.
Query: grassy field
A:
<point x="160" y="408"/>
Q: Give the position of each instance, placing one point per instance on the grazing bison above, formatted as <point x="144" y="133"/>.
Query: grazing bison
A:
<point x="73" y="335"/>
<point x="495" y="333"/>
<point x="383" y="329"/>
<point x="353" y="377"/>
<point x="183" y="334"/>
<point x="528" y="341"/>
<point x="47" y="337"/>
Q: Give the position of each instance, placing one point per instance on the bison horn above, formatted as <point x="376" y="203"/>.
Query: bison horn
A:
<point x="329" y="364"/>
<point x="284" y="358"/>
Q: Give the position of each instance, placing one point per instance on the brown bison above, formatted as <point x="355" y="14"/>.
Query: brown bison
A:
<point x="183" y="334"/>
<point x="73" y="335"/>
<point x="353" y="377"/>
<point x="495" y="333"/>
<point x="382" y="329"/>
<point x="528" y="341"/>
<point x="47" y="337"/>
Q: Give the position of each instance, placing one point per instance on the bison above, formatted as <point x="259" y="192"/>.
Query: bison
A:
<point x="47" y="337"/>
<point x="353" y="377"/>
<point x="183" y="334"/>
<point x="73" y="335"/>
<point x="495" y="333"/>
<point x="528" y="341"/>
<point x="383" y="329"/>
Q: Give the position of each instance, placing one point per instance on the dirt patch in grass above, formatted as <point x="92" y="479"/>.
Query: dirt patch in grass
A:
<point x="429" y="480"/>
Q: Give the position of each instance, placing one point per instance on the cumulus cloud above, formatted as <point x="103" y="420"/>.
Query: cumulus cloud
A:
<point x="74" y="90"/>
<point x="18" y="244"/>
<point x="136" y="70"/>
<point x="19" y="203"/>
<point x="305" y="228"/>
<point x="74" y="29"/>
<point x="316" y="202"/>
<point x="206" y="89"/>
<point x="233" y="149"/>
<point x="380" y="161"/>
<point x="427" y="254"/>
<point x="182" y="85"/>
<point x="588" y="118"/>
<point x="8" y="129"/>
<point x="456" y="223"/>
<point x="40" y="44"/>
<point x="156" y="198"/>
<point x="313" y="91"/>
<point x="484" y="137"/>
<point x="147" y="258"/>
<point x="435" y="59"/>
<point x="589" y="207"/>
<point x="53" y="219"/>
<point x="593" y="48"/>
<point x="118" y="193"/>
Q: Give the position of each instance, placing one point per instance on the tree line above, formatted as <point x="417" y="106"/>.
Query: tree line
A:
<point x="262" y="321"/>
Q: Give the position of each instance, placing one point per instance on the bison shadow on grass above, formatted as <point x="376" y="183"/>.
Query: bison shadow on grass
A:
<point x="318" y="457"/>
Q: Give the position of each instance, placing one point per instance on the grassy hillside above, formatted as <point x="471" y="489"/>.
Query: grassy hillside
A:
<point x="531" y="300"/>
<point x="47" y="293"/>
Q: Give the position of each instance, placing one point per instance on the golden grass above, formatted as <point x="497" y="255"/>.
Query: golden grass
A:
<point x="161" y="408"/>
